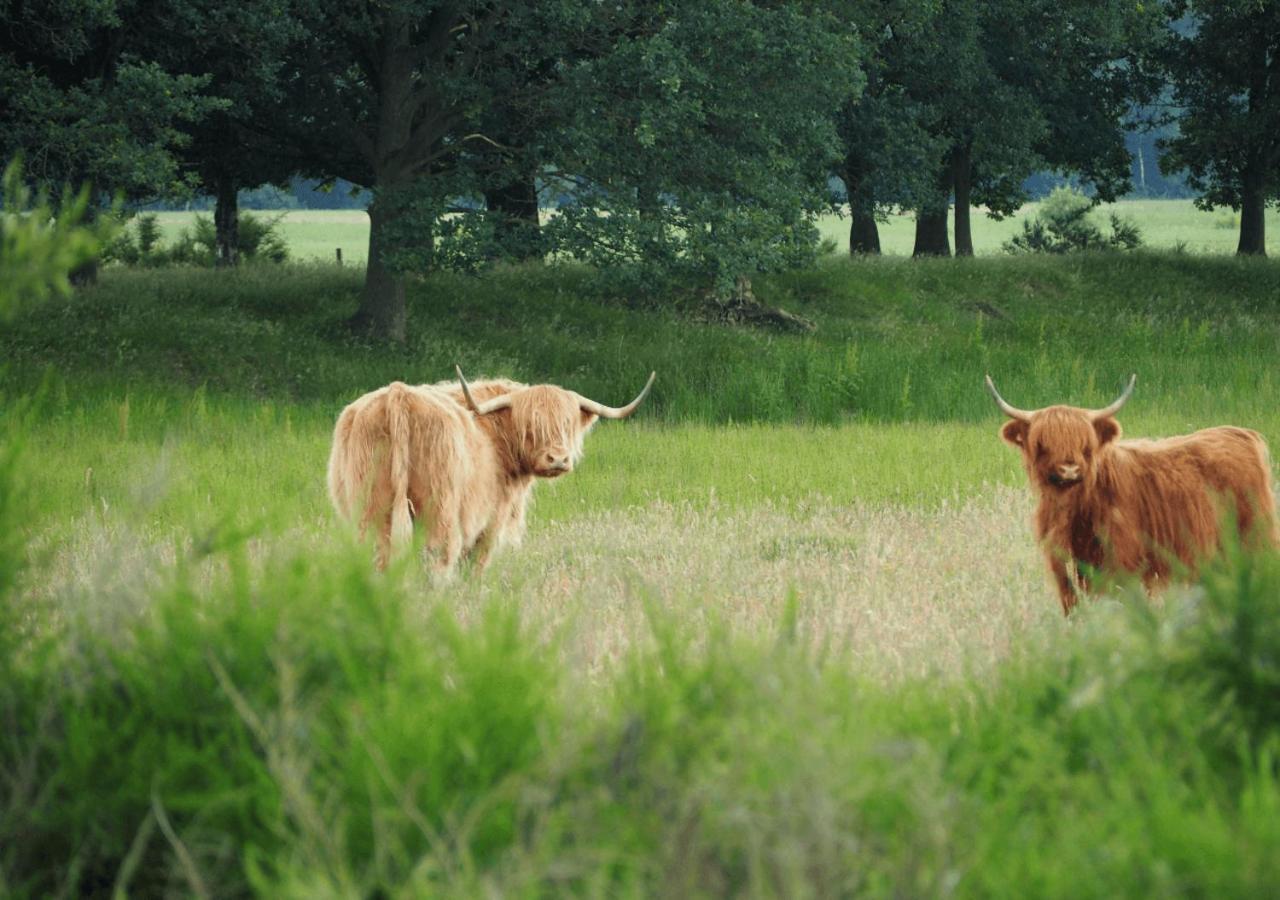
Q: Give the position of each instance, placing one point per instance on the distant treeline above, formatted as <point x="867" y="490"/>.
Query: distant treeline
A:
<point x="296" y="193"/>
<point x="300" y="193"/>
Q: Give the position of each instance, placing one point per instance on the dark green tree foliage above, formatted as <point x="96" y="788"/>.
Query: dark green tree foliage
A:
<point x="888" y="147"/>
<point x="389" y="95"/>
<point x="985" y="123"/>
<point x="1020" y="86"/>
<point x="86" y="105"/>
<point x="700" y="146"/>
<point x="241" y="49"/>
<point x="694" y="132"/>
<point x="1224" y="67"/>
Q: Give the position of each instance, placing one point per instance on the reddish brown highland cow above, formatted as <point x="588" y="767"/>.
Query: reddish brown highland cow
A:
<point x="457" y="459"/>
<point x="1151" y="508"/>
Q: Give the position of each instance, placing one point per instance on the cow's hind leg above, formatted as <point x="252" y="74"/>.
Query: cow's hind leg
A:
<point x="443" y="549"/>
<point x="377" y="515"/>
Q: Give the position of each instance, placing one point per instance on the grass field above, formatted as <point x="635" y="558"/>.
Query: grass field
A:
<point x="1165" y="225"/>
<point x="784" y="633"/>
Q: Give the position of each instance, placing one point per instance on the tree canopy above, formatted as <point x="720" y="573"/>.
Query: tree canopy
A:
<point x="86" y="104"/>
<point x="1223" y="66"/>
<point x="681" y="139"/>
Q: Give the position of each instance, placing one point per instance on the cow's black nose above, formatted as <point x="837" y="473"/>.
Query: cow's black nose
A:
<point x="1055" y="478"/>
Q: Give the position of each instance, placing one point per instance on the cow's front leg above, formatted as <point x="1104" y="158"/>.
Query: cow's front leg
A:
<point x="1062" y="571"/>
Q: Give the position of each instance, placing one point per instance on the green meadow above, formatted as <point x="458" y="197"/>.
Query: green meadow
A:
<point x="784" y="633"/>
<point x="1165" y="225"/>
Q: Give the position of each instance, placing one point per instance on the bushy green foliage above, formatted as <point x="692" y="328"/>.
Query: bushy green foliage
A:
<point x="307" y="729"/>
<point x="258" y="238"/>
<point x="894" y="338"/>
<point x="1063" y="225"/>
<point x="40" y="244"/>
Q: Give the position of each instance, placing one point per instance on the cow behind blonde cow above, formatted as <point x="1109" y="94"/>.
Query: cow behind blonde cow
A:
<point x="1153" y="508"/>
<point x="458" y="460"/>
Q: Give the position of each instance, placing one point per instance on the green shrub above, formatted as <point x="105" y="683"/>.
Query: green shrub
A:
<point x="1063" y="225"/>
<point x="306" y="728"/>
<point x="258" y="239"/>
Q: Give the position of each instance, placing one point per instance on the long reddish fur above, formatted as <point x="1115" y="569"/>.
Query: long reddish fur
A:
<point x="1153" y="508"/>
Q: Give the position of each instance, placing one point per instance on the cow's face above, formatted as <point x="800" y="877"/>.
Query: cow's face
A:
<point x="1060" y="445"/>
<point x="545" y="424"/>
<point x="548" y="425"/>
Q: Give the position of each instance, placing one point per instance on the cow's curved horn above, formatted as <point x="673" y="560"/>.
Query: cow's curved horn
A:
<point x="481" y="409"/>
<point x="1011" y="411"/>
<point x="1119" y="401"/>
<point x="616" y="412"/>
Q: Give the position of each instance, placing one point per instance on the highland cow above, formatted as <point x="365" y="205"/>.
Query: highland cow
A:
<point x="1153" y="508"/>
<point x="458" y="460"/>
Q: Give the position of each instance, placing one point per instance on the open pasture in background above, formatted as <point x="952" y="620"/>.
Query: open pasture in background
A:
<point x="1165" y="225"/>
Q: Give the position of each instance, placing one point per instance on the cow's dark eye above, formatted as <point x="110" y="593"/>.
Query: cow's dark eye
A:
<point x="1040" y="452"/>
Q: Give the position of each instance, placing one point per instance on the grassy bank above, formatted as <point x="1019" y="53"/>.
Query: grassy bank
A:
<point x="897" y="340"/>
<point x="784" y="633"/>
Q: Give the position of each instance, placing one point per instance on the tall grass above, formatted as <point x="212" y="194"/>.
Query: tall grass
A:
<point x="305" y="729"/>
<point x="897" y="340"/>
<point x="785" y="633"/>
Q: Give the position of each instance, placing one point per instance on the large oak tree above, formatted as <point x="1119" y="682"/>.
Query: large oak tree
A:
<point x="1223" y="62"/>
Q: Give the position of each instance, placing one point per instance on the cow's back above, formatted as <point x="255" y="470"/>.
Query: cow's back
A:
<point x="434" y="431"/>
<point x="1180" y="489"/>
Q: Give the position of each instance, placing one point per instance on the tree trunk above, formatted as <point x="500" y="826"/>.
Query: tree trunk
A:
<point x="962" y="180"/>
<point x="931" y="233"/>
<point x="226" y="223"/>
<point x="1253" y="217"/>
<point x="931" y="221"/>
<point x="517" y="228"/>
<point x="864" y="233"/>
<point x="382" y="312"/>
<point x="86" y="273"/>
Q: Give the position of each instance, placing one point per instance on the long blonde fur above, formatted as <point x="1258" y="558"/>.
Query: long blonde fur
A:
<point x="406" y="456"/>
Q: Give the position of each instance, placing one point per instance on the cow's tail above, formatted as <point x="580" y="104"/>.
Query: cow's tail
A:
<point x="398" y="457"/>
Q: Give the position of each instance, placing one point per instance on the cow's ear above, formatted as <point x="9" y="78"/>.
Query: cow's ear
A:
<point x="588" y="419"/>
<point x="1108" y="429"/>
<point x="1015" y="432"/>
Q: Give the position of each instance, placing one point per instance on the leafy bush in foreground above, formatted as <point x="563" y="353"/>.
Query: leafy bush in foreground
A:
<point x="313" y="730"/>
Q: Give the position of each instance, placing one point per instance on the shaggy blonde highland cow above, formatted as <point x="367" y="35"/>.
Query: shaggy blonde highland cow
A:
<point x="458" y="460"/>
